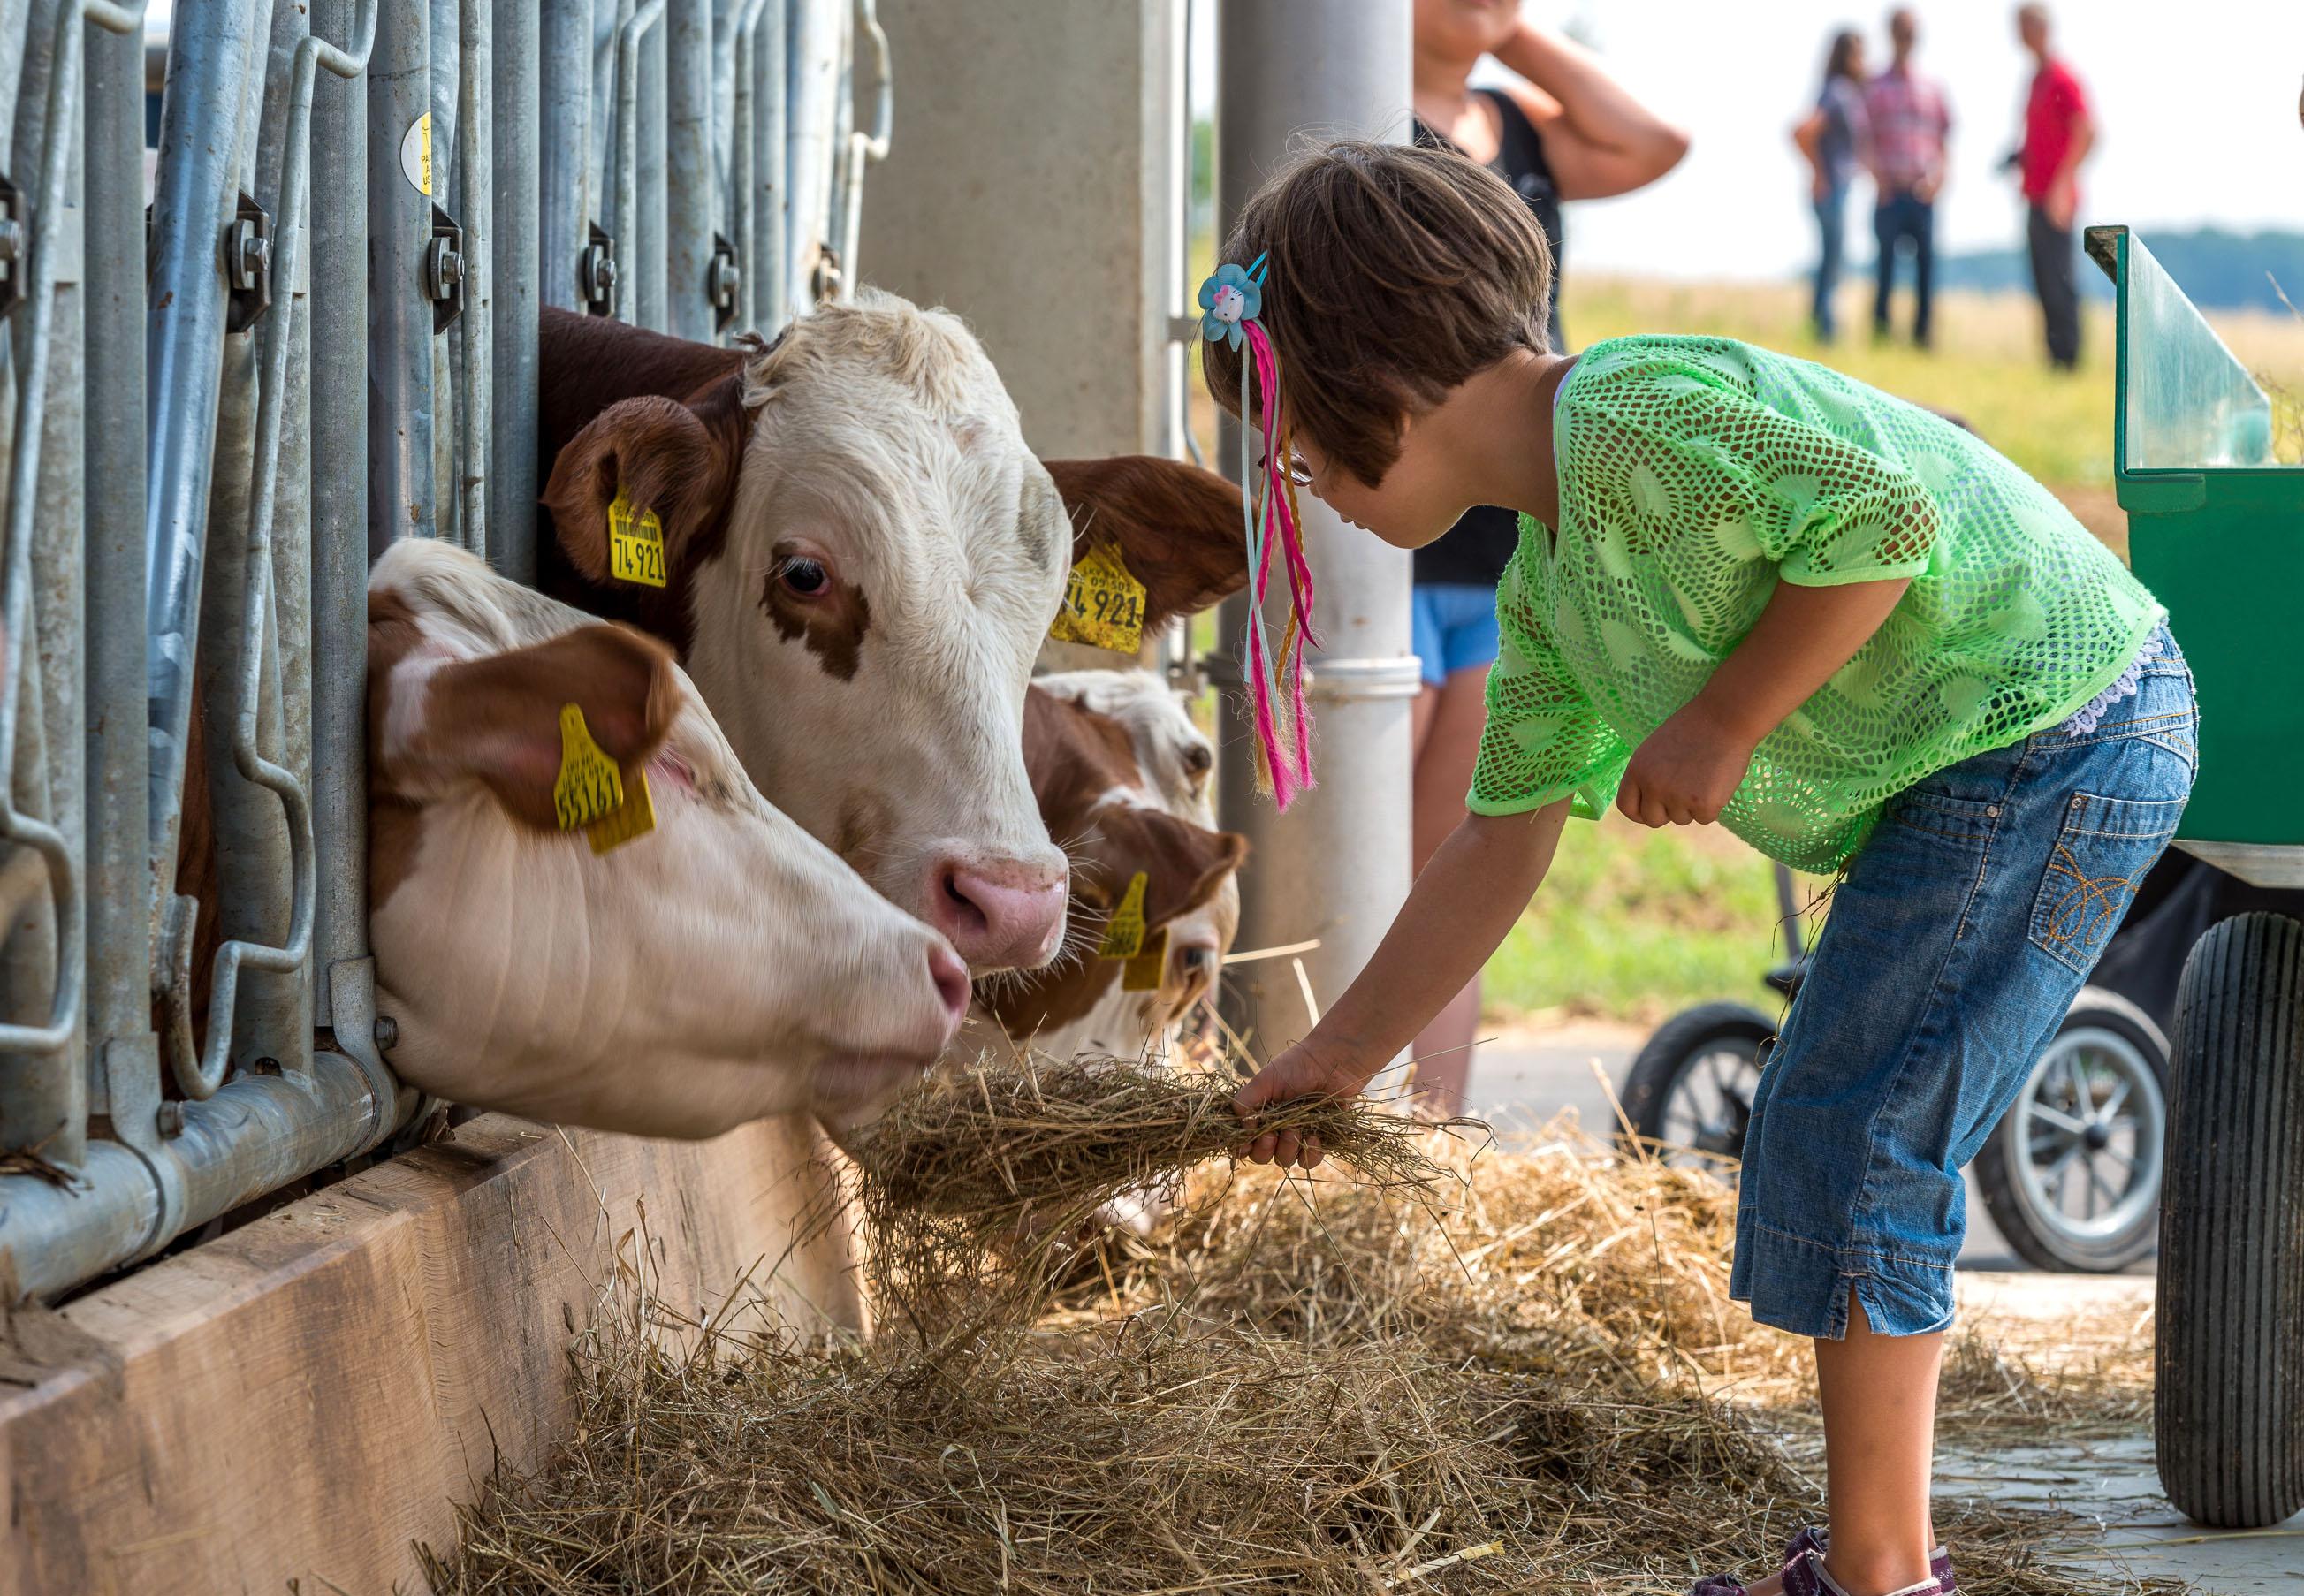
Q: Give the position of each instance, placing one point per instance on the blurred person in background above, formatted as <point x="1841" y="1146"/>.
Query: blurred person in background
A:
<point x="2058" y="135"/>
<point x="1565" y="130"/>
<point x="1831" y="137"/>
<point x="1910" y="123"/>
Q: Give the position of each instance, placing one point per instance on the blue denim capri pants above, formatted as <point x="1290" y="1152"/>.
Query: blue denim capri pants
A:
<point x="1957" y="939"/>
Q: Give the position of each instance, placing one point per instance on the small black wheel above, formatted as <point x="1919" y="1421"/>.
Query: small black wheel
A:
<point x="2071" y="1173"/>
<point x="1688" y="1093"/>
<point x="2228" y="1403"/>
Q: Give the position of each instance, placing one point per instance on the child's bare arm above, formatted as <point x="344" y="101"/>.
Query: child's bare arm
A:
<point x="1689" y="767"/>
<point x="1459" y="908"/>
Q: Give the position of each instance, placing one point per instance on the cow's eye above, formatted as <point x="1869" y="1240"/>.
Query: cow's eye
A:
<point x="1198" y="759"/>
<point x="805" y="578"/>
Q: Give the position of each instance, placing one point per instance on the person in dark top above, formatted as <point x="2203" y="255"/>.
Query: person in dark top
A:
<point x="1565" y="130"/>
<point x="1830" y="136"/>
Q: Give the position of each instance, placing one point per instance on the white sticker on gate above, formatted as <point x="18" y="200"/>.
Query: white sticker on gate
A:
<point x="416" y="155"/>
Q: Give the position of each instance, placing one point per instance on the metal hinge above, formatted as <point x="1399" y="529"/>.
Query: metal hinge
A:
<point x="15" y="246"/>
<point x="724" y="284"/>
<point x="443" y="270"/>
<point x="596" y="274"/>
<point x="248" y="264"/>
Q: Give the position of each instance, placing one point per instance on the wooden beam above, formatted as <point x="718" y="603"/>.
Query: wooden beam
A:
<point x="307" y="1397"/>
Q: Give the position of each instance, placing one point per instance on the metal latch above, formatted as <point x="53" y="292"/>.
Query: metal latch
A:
<point x="443" y="270"/>
<point x="724" y="282"/>
<point x="596" y="274"/>
<point x="828" y="280"/>
<point x="15" y="246"/>
<point x="247" y="265"/>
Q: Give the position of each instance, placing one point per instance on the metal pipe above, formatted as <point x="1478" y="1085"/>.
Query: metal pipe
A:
<point x="475" y="191"/>
<point x="340" y="402"/>
<point x="608" y="19"/>
<point x="651" y="219"/>
<point x="400" y="463"/>
<point x="192" y="209"/>
<point x="443" y="36"/>
<point x="691" y="216"/>
<point x="1337" y="867"/>
<point x="812" y="49"/>
<point x="766" y="225"/>
<point x="256" y="1134"/>
<point x="866" y="149"/>
<point x="564" y="90"/>
<point x="119" y="916"/>
<point x="515" y="302"/>
<point x="634" y="22"/>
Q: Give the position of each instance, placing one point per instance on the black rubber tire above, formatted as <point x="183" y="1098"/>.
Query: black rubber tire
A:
<point x="2027" y="1232"/>
<point x="1678" y="1041"/>
<point x="2228" y="1405"/>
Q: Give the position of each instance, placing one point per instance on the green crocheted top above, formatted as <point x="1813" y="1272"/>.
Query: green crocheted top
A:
<point x="1695" y="473"/>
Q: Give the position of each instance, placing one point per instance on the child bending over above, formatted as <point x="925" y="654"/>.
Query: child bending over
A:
<point x="1748" y="590"/>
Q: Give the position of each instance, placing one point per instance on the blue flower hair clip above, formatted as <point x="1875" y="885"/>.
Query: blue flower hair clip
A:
<point x="1230" y="295"/>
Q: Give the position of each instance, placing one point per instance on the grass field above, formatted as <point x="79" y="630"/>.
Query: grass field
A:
<point x="1632" y="923"/>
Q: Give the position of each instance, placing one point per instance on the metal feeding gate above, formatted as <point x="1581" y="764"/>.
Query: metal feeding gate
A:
<point x="319" y="334"/>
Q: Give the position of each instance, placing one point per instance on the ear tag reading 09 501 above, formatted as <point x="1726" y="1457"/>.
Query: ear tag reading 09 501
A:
<point x="1104" y="604"/>
<point x="1147" y="969"/>
<point x="1124" y="933"/>
<point x="590" y="791"/>
<point x="635" y="543"/>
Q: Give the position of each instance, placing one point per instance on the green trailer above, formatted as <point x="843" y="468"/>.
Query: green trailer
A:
<point x="2217" y="531"/>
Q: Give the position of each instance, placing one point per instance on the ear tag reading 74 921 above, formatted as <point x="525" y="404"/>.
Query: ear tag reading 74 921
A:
<point x="1124" y="933"/>
<point x="1147" y="969"/>
<point x="1104" y="604"/>
<point x="635" y="543"/>
<point x="590" y="791"/>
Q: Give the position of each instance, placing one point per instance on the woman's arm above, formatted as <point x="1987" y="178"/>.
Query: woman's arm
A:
<point x="1688" y="768"/>
<point x="1598" y="137"/>
<point x="1459" y="908"/>
<point x="1808" y="138"/>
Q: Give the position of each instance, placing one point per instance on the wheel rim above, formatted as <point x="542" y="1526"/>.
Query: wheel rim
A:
<point x="2087" y="1133"/>
<point x="1710" y="1105"/>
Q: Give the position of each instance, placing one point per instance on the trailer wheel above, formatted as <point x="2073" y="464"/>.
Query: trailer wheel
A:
<point x="1688" y="1093"/>
<point x="2071" y="1173"/>
<point x="2228" y="1406"/>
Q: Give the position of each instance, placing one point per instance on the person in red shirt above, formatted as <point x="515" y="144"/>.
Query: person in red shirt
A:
<point x="2058" y="134"/>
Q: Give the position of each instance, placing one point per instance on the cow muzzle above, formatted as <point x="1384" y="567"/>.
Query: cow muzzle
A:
<point x="999" y="914"/>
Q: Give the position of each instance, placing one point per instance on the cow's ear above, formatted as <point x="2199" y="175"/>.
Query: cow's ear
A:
<point x="1184" y="864"/>
<point x="662" y="456"/>
<point x="1176" y="526"/>
<point x="498" y="719"/>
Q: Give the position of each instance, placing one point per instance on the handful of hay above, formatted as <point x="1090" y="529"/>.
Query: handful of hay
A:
<point x="1005" y="1160"/>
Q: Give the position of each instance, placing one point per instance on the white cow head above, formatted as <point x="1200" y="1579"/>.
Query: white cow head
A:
<point x="723" y="965"/>
<point x="862" y="560"/>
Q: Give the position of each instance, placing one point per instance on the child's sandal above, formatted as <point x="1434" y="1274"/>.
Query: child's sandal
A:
<point x="1804" y="1575"/>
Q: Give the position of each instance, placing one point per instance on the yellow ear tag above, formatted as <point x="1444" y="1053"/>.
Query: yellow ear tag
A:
<point x="635" y="543"/>
<point x="1124" y="933"/>
<point x="590" y="791"/>
<point x="1104" y="604"/>
<point x="1147" y="969"/>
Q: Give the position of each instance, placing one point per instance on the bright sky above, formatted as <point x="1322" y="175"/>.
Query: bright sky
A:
<point x="2195" y="100"/>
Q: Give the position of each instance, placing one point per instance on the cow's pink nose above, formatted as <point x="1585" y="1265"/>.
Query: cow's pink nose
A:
<point x="950" y="978"/>
<point x="1001" y="916"/>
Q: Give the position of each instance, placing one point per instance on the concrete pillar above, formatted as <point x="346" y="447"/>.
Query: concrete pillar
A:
<point x="1027" y="188"/>
<point x="1336" y="866"/>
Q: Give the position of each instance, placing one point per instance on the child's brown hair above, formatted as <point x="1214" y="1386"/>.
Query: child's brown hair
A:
<point x="1395" y="273"/>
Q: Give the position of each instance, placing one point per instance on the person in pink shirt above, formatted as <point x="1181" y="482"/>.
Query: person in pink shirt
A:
<point x="2059" y="133"/>
<point x="1911" y="125"/>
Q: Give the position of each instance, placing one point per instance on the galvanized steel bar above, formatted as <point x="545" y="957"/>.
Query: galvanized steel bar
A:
<point x="119" y="914"/>
<point x="652" y="220"/>
<point x="399" y="461"/>
<point x="476" y="213"/>
<point x="691" y="216"/>
<point x="192" y="210"/>
<point x="866" y="149"/>
<point x="832" y="282"/>
<point x="633" y="23"/>
<point x="758" y="162"/>
<point x="564" y="87"/>
<point x="1270" y="90"/>
<point x="340" y="404"/>
<point x="444" y="34"/>
<point x="513" y="288"/>
<point x="812" y="50"/>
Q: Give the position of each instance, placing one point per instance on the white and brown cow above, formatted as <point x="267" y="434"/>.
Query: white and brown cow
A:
<point x="720" y="967"/>
<point x="1121" y="775"/>
<point x="862" y="559"/>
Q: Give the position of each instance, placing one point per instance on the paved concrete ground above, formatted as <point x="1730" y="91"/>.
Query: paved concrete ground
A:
<point x="1524" y="1077"/>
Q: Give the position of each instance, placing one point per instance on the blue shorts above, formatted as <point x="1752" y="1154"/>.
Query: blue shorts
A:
<point x="1958" y="938"/>
<point x="1453" y="627"/>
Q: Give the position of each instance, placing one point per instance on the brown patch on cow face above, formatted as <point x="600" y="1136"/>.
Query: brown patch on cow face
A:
<point x="828" y="613"/>
<point x="1177" y="527"/>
